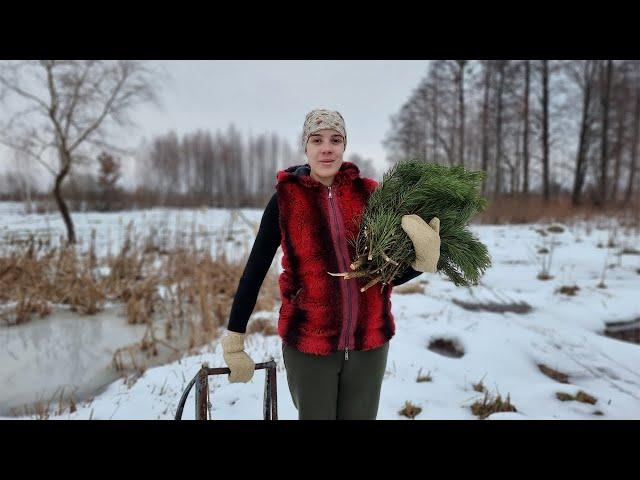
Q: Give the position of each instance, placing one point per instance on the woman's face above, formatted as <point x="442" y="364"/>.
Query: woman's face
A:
<point x="324" y="152"/>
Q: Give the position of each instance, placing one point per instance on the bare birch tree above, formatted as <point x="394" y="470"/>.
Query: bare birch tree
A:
<point x="57" y="111"/>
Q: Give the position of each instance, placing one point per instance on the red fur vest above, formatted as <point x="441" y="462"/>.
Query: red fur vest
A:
<point x="320" y="313"/>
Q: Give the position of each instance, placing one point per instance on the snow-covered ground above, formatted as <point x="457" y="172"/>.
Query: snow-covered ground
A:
<point x="501" y="349"/>
<point x="209" y="226"/>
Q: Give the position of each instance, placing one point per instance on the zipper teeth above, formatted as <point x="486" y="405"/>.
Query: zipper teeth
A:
<point x="348" y="286"/>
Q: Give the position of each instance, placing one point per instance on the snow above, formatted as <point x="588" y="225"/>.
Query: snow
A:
<point x="501" y="349"/>
<point x="208" y="225"/>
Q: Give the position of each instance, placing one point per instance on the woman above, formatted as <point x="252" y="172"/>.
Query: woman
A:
<point x="335" y="339"/>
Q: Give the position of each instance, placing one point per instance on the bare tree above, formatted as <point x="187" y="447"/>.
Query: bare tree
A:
<point x="24" y="180"/>
<point x="60" y="110"/>
<point x="406" y="131"/>
<point x="435" y="106"/>
<point x="606" y="73"/>
<point x="633" y="165"/>
<point x="223" y="171"/>
<point x="623" y="96"/>
<point x="460" y="79"/>
<point x="545" y="128"/>
<point x="583" y="74"/>
<point x="488" y="70"/>
<point x="366" y="166"/>
<point x="525" y="121"/>
<point x="501" y="65"/>
<point x="491" y="120"/>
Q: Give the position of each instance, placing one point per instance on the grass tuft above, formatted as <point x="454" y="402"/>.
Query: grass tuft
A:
<point x="410" y="410"/>
<point x="491" y="404"/>
<point x="552" y="373"/>
<point x="569" y="290"/>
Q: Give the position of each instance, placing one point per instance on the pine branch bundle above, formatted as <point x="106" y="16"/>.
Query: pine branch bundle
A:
<point x="384" y="250"/>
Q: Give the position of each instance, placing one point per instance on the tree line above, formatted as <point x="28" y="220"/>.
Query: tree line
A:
<point x="543" y="126"/>
<point x="224" y="169"/>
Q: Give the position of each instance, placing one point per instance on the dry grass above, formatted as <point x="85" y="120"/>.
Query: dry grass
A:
<point x="628" y="331"/>
<point x="261" y="325"/>
<point x="409" y="289"/>
<point x="569" y="290"/>
<point x="479" y="387"/>
<point x="529" y="209"/>
<point x="410" y="410"/>
<point x="446" y="347"/>
<point x="563" y="397"/>
<point x="555" y="229"/>
<point x="34" y="275"/>
<point x="42" y="410"/>
<point x="490" y="405"/>
<point x="24" y="309"/>
<point x="496" y="307"/>
<point x="423" y="378"/>
<point x="545" y="258"/>
<point x="552" y="373"/>
<point x="585" y="398"/>
<point x="180" y="292"/>
<point x="580" y="397"/>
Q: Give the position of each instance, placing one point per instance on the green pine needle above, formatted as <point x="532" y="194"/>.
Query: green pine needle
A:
<point x="428" y="190"/>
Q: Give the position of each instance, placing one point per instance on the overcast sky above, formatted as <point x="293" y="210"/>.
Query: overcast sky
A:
<point x="261" y="96"/>
<point x="274" y="96"/>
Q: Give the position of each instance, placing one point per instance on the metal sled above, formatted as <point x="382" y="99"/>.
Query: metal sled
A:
<point x="201" y="381"/>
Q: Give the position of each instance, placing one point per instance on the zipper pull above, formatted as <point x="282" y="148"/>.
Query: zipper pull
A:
<point x="346" y="353"/>
<point x="329" y="191"/>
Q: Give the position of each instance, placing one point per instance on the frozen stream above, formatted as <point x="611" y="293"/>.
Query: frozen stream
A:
<point x="38" y="358"/>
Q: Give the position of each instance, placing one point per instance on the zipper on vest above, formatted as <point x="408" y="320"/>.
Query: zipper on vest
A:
<point x="346" y="351"/>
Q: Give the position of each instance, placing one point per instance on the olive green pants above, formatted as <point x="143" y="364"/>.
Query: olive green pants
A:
<point x="332" y="388"/>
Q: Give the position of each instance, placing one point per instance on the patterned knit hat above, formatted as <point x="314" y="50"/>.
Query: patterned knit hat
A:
<point x="321" y="119"/>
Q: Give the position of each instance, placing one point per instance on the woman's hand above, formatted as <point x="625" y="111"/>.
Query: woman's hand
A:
<point x="426" y="241"/>
<point x="240" y="364"/>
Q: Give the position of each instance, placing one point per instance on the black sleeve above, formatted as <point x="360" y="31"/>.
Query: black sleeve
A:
<point x="264" y="248"/>
<point x="405" y="276"/>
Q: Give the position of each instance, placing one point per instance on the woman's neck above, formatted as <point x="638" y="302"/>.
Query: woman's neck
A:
<point x="326" y="181"/>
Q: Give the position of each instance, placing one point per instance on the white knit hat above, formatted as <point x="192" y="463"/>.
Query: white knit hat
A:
<point x="321" y="119"/>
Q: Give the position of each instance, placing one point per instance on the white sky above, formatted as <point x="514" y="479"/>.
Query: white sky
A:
<point x="274" y="96"/>
<point x="262" y="96"/>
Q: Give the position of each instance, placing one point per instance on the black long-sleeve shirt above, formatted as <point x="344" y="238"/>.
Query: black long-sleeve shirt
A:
<point x="264" y="249"/>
